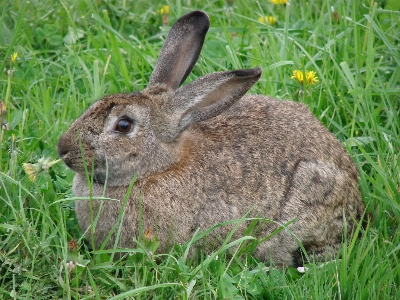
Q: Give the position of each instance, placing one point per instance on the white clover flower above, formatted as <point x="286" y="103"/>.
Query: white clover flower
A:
<point x="70" y="266"/>
<point x="302" y="269"/>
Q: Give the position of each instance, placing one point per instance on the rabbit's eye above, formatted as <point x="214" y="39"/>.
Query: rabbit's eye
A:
<point x="123" y="126"/>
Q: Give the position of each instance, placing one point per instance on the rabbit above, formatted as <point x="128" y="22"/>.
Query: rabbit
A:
<point x="206" y="153"/>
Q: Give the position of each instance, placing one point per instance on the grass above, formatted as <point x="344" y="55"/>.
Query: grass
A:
<point x="71" y="53"/>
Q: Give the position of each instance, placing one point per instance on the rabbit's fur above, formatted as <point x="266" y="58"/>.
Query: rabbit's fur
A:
<point x="205" y="153"/>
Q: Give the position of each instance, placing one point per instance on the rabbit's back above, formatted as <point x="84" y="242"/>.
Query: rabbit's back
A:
<point x="276" y="155"/>
<point x="284" y="131"/>
<point x="258" y="144"/>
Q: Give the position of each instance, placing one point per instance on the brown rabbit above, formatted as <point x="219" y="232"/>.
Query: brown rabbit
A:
<point x="205" y="153"/>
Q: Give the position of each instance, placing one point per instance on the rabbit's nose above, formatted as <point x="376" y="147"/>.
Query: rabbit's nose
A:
<point x="63" y="146"/>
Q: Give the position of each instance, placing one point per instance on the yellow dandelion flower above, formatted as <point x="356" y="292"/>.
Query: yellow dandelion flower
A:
<point x="164" y="10"/>
<point x="148" y="236"/>
<point x="14" y="57"/>
<point x="33" y="170"/>
<point x="298" y="75"/>
<point x="278" y="1"/>
<point x="310" y="77"/>
<point x="268" y="19"/>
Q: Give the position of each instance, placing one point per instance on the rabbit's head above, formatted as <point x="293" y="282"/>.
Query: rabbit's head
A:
<point x="141" y="133"/>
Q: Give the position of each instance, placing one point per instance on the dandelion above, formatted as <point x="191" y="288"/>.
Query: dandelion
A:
<point x="150" y="241"/>
<point x="72" y="245"/>
<point x="148" y="236"/>
<point x="33" y="170"/>
<point x="278" y="1"/>
<point x="72" y="250"/>
<point x="3" y="115"/>
<point x="336" y="16"/>
<point x="310" y="77"/>
<point x="3" y="108"/>
<point x="297" y="74"/>
<point x="164" y="10"/>
<point x="268" y="19"/>
<point x="14" y="57"/>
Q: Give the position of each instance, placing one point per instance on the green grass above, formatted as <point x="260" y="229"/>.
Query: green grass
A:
<point x="71" y="53"/>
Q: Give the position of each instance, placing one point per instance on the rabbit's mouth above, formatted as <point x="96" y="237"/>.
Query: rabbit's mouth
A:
<point x="66" y="157"/>
<point x="99" y="178"/>
<point x="74" y="165"/>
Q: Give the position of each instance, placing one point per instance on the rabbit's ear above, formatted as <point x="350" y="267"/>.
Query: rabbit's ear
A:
<point x="181" y="50"/>
<point x="205" y="98"/>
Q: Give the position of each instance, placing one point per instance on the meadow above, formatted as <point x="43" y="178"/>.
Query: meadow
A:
<point x="58" y="57"/>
